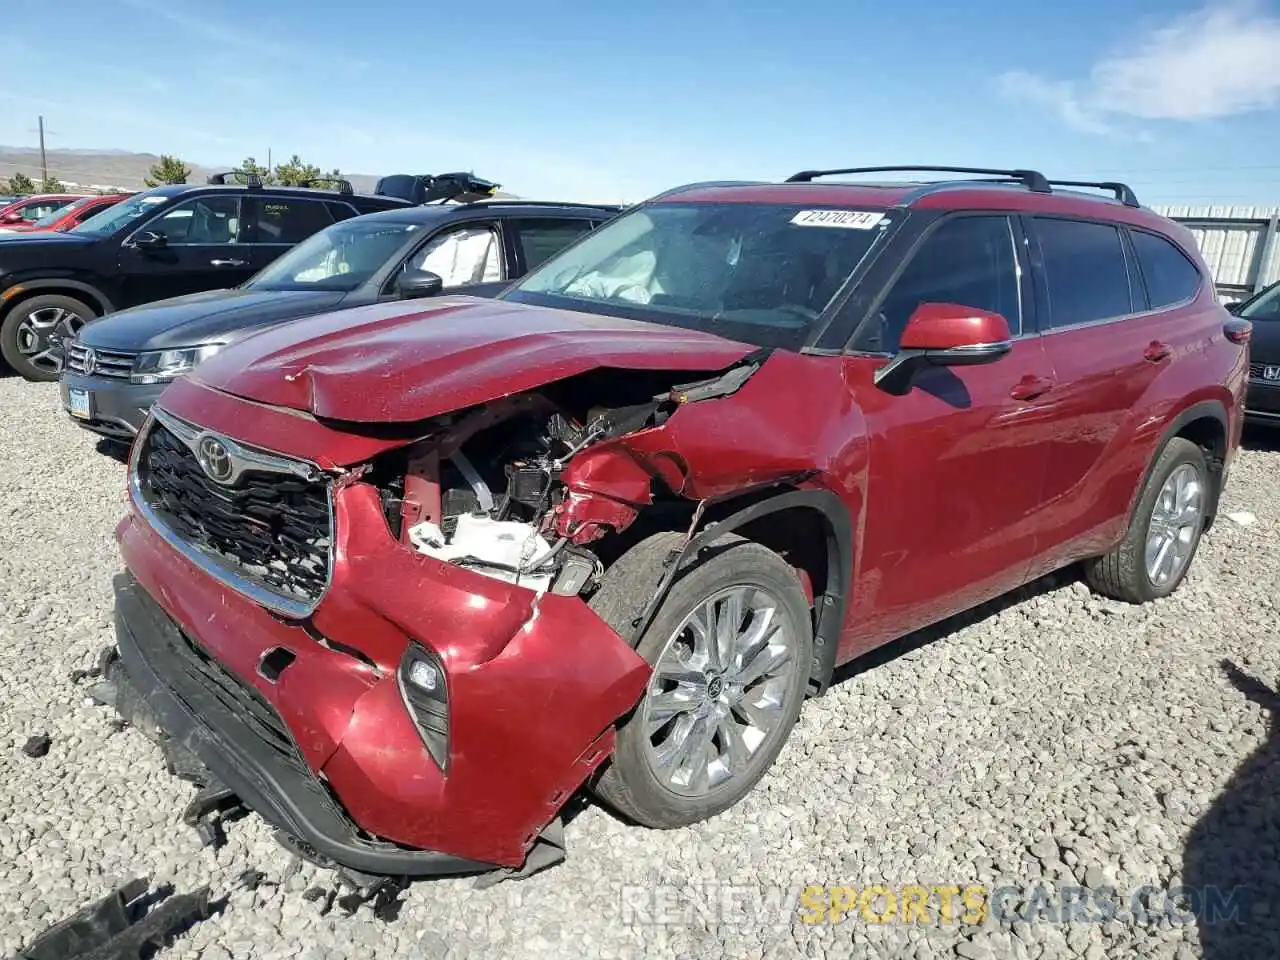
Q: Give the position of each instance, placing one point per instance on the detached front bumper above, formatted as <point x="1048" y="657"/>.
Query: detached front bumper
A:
<point x="245" y="745"/>
<point x="535" y="686"/>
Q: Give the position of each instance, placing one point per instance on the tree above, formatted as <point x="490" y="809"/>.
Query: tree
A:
<point x="52" y="185"/>
<point x="21" y="185"/>
<point x="295" y="173"/>
<point x="168" y="170"/>
<point x="250" y="165"/>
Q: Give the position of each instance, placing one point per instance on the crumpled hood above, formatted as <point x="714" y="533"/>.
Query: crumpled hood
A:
<point x="394" y="363"/>
<point x="198" y="318"/>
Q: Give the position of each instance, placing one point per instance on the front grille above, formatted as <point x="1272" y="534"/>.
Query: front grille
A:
<point x="270" y="529"/>
<point x="115" y="364"/>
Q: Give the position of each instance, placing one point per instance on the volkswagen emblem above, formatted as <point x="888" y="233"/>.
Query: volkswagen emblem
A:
<point x="90" y="361"/>
<point x="215" y="459"/>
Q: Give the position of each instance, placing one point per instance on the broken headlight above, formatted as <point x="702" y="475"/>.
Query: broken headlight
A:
<point x="426" y="696"/>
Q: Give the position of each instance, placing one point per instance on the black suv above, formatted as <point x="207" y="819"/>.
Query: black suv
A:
<point x="119" y="364"/>
<point x="160" y="243"/>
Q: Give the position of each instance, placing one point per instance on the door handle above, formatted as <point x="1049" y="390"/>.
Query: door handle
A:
<point x="226" y="263"/>
<point x="1156" y="351"/>
<point x="1030" y="387"/>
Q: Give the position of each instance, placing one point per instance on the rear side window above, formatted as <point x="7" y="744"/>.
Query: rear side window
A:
<point x="1169" y="276"/>
<point x="1085" y="271"/>
<point x="290" y="221"/>
<point x="540" y="240"/>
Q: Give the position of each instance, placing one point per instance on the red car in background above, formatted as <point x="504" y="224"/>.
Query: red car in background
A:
<point x="26" y="211"/>
<point x="67" y="216"/>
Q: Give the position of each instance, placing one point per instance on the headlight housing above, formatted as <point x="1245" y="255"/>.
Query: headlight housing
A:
<point x="161" y="366"/>
<point x="426" y="696"/>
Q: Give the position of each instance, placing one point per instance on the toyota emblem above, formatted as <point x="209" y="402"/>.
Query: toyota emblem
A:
<point x="90" y="361"/>
<point x="215" y="459"/>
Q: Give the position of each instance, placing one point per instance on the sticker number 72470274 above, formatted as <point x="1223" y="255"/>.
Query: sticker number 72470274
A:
<point x="848" y="219"/>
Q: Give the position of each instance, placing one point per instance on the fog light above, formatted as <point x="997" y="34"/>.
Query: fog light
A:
<point x="425" y="690"/>
<point x="424" y="675"/>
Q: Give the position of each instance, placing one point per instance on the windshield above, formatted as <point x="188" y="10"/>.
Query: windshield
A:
<point x="49" y="219"/>
<point x="1266" y="307"/>
<point x="340" y="257"/>
<point x="759" y="273"/>
<point x="120" y="215"/>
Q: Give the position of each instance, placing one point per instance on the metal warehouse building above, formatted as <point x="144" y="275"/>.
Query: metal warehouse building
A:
<point x="1238" y="243"/>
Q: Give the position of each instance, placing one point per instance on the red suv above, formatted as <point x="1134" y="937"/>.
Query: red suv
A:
<point x="22" y="213"/>
<point x="403" y="578"/>
<point x="72" y="214"/>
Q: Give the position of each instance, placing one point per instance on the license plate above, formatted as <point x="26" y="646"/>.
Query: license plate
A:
<point x="78" y="404"/>
<point x="1271" y="373"/>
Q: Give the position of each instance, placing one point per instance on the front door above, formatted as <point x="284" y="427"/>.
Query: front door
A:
<point x="202" y="250"/>
<point x="956" y="474"/>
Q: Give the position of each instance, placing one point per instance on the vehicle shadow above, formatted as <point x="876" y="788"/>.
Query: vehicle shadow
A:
<point x="927" y="635"/>
<point x="114" y="449"/>
<point x="1232" y="858"/>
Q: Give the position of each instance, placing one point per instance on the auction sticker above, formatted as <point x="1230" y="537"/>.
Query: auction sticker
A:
<point x="849" y="219"/>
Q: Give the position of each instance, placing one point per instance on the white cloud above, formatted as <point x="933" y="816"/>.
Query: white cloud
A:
<point x="1219" y="61"/>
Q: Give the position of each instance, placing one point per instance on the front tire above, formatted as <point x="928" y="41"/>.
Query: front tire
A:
<point x="1164" y="531"/>
<point x="730" y="646"/>
<point x="32" y="334"/>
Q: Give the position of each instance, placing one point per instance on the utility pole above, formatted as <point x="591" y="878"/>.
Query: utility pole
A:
<point x="268" y="158"/>
<point x="44" y="162"/>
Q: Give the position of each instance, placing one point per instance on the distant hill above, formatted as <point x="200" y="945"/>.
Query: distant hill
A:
<point x="92" y="170"/>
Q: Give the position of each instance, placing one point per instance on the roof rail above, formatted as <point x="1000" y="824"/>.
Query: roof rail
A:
<point x="251" y="179"/>
<point x="344" y="185"/>
<point x="1122" y="191"/>
<point x="1032" y="179"/>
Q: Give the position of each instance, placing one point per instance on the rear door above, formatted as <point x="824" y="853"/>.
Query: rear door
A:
<point x="204" y="250"/>
<point x="277" y="223"/>
<point x="1099" y="331"/>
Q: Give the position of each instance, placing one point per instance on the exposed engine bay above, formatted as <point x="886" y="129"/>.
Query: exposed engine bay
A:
<point x="505" y="488"/>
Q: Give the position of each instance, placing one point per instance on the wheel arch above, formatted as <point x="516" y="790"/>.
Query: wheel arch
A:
<point x="58" y="286"/>
<point x="748" y="515"/>
<point x="1206" y="424"/>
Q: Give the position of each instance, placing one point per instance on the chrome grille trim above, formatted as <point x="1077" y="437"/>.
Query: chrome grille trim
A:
<point x="115" y="364"/>
<point x="211" y="564"/>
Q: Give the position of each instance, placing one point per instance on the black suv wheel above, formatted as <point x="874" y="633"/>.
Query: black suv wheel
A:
<point x="32" y="334"/>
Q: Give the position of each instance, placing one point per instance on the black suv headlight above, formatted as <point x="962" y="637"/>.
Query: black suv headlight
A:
<point x="161" y="366"/>
<point x="426" y="695"/>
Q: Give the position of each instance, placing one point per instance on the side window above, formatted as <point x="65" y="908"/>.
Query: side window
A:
<point x="204" y="220"/>
<point x="968" y="260"/>
<point x="285" y="220"/>
<point x="1085" y="271"/>
<point x="341" y="211"/>
<point x="540" y="240"/>
<point x="1169" y="276"/>
<point x="38" y="211"/>
<point x="466" y="254"/>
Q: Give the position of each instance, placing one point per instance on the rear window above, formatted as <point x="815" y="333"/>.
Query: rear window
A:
<point x="1167" y="273"/>
<point x="1085" y="270"/>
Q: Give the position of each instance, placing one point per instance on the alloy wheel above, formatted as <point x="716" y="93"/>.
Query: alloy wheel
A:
<point x="1176" y="519"/>
<point x="718" y="690"/>
<point x="42" y="332"/>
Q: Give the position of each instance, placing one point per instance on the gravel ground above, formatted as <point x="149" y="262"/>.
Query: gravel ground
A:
<point x="1052" y="739"/>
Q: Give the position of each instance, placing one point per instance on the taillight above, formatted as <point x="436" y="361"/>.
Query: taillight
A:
<point x="426" y="696"/>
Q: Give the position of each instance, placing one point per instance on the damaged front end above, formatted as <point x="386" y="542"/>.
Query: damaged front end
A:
<point x="391" y="657"/>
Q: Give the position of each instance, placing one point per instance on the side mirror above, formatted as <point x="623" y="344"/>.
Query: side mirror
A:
<point x="12" y="217"/>
<point x="418" y="283"/>
<point x="149" y="240"/>
<point x="944" y="335"/>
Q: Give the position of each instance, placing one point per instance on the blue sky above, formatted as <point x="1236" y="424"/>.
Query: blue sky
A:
<point x="612" y="101"/>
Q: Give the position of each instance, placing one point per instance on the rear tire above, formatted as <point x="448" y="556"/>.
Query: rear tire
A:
<point x="1164" y="531"/>
<point x="714" y="716"/>
<point x="31" y="334"/>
